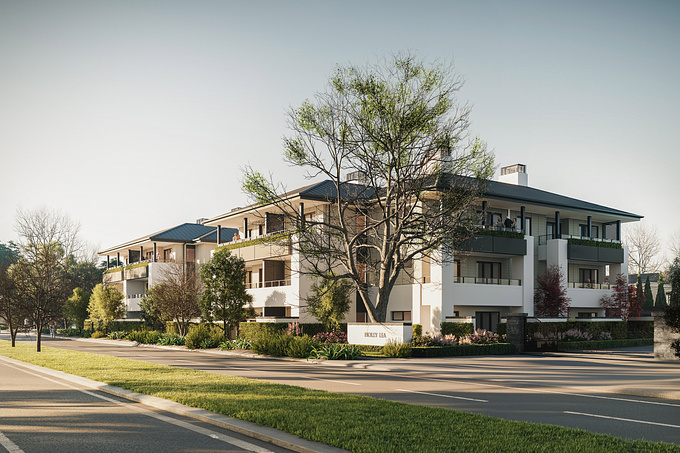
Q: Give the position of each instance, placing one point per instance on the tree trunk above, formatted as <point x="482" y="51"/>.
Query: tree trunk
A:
<point x="13" y="335"/>
<point x="38" y="340"/>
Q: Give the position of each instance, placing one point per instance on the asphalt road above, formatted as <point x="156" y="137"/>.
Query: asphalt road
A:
<point x="41" y="413"/>
<point x="580" y="391"/>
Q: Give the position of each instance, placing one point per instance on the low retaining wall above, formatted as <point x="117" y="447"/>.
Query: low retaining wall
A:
<point x="663" y="337"/>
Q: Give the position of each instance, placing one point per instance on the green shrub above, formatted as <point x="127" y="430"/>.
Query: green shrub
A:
<point x="126" y="326"/>
<point x="459" y="329"/>
<point x="301" y="347"/>
<point x="117" y="335"/>
<point x="98" y="334"/>
<point x="171" y="339"/>
<point x="253" y="330"/>
<point x="86" y="333"/>
<point x="197" y="336"/>
<point x="395" y="348"/>
<point x="335" y="351"/>
<point x="238" y="343"/>
<point x="70" y="332"/>
<point x="417" y="330"/>
<point x="273" y="345"/>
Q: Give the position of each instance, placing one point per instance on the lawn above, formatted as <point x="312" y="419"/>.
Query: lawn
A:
<point x="356" y="423"/>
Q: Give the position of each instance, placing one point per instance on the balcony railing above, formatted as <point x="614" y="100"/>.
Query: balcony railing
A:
<point x="542" y="240"/>
<point x="269" y="284"/>
<point x="488" y="281"/>
<point x="588" y="285"/>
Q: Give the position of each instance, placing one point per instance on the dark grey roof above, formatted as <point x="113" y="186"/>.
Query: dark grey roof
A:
<point x="185" y="232"/>
<point x="326" y="189"/>
<point x="227" y="235"/>
<point x="524" y="194"/>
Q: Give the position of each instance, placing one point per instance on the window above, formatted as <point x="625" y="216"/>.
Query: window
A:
<point x="276" y="312"/>
<point x="456" y="269"/>
<point x="487" y="320"/>
<point x="593" y="231"/>
<point x="487" y="269"/>
<point x="587" y="277"/>
<point x="401" y="316"/>
<point x="550" y="229"/>
<point x="587" y="314"/>
<point x="527" y="224"/>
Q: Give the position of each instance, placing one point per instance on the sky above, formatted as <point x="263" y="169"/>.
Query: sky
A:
<point x="136" y="116"/>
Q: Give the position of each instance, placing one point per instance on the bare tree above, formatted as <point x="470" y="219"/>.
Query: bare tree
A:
<point x="47" y="239"/>
<point x="398" y="128"/>
<point x="674" y="245"/>
<point x="176" y="297"/>
<point x="644" y="246"/>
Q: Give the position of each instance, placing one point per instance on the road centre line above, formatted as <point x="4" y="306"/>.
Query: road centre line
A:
<point x="622" y="419"/>
<point x="443" y="396"/>
<point x="10" y="446"/>
<point x="331" y="380"/>
<point x="482" y="384"/>
<point x="197" y="429"/>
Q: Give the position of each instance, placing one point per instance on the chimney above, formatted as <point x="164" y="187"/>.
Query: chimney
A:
<point x="514" y="174"/>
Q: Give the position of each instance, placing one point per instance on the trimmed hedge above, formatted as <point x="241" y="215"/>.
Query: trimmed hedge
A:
<point x="591" y="243"/>
<point x="463" y="350"/>
<point x="499" y="233"/>
<point x="458" y="329"/>
<point x="253" y="330"/>
<point x="605" y="344"/>
<point x="117" y="326"/>
<point x="620" y="330"/>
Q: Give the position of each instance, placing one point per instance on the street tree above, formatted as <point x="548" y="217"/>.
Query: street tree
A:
<point x="149" y="312"/>
<point x="649" y="297"/>
<point x="660" y="301"/>
<point x="675" y="284"/>
<point x="623" y="302"/>
<point x="329" y="301"/>
<point x="225" y="297"/>
<point x="176" y="297"/>
<point x="399" y="130"/>
<point x="550" y="296"/>
<point x="47" y="239"/>
<point x="674" y="245"/>
<point x="10" y="310"/>
<point x="75" y="308"/>
<point x="106" y="305"/>
<point x="644" y="246"/>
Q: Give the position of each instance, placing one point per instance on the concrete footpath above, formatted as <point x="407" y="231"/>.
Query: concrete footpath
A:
<point x="249" y="429"/>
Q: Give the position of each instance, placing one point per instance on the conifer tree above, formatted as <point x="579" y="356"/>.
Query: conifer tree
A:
<point x="675" y="286"/>
<point x="639" y="293"/>
<point x="649" y="299"/>
<point x="660" y="303"/>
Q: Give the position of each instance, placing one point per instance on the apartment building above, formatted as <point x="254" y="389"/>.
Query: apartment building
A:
<point x="521" y="232"/>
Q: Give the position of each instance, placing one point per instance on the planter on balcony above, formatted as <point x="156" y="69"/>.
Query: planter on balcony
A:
<point x="495" y="244"/>
<point x="592" y="253"/>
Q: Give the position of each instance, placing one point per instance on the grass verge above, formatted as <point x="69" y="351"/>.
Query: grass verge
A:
<point x="356" y="423"/>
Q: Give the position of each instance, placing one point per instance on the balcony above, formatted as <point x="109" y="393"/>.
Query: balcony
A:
<point x="489" y="242"/>
<point x="269" y="284"/>
<point x="113" y="276"/>
<point x="488" y="281"/>
<point x="262" y="247"/>
<point x="581" y="285"/>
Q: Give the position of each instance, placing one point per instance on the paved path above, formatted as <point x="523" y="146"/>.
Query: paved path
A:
<point x="627" y="394"/>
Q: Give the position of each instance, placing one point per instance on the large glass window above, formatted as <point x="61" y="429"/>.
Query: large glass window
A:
<point x="487" y="269"/>
<point x="587" y="277"/>
<point x="550" y="229"/>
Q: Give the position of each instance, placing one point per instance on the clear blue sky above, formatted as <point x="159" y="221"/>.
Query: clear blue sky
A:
<point x="134" y="116"/>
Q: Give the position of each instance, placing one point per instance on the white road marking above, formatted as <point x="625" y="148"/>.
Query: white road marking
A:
<point x="622" y="419"/>
<point x="481" y="384"/>
<point x="331" y="380"/>
<point x="197" y="429"/>
<point x="10" y="446"/>
<point x="443" y="396"/>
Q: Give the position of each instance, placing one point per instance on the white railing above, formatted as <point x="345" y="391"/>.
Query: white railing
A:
<point x="269" y="284"/>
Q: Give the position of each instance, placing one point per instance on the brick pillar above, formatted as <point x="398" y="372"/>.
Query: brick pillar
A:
<point x="663" y="337"/>
<point x="517" y="330"/>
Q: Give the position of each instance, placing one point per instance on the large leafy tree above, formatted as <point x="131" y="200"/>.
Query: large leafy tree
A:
<point x="106" y="305"/>
<point x="550" y="296"/>
<point x="225" y="297"/>
<point x="75" y="308"/>
<point x="329" y="301"/>
<point x="398" y="127"/>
